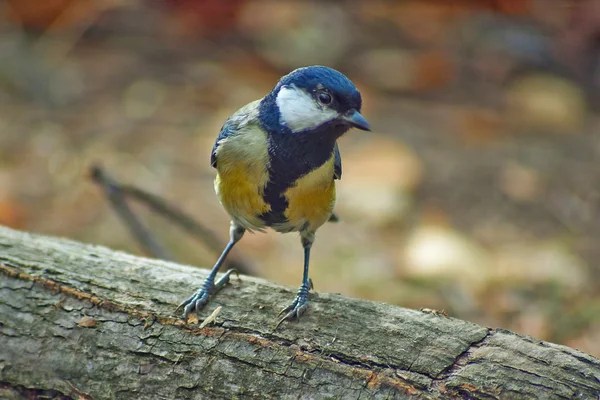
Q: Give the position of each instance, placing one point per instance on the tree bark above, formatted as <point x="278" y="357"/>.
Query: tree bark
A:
<point x="82" y="321"/>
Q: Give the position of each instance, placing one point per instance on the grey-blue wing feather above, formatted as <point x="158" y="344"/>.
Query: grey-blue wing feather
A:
<point x="241" y="118"/>
<point x="337" y="163"/>
<point x="227" y="130"/>
<point x="337" y="174"/>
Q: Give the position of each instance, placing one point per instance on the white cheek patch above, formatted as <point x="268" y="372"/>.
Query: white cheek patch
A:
<point x="299" y="111"/>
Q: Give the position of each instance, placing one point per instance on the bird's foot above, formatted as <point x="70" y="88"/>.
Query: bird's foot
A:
<point x="297" y="308"/>
<point x="198" y="300"/>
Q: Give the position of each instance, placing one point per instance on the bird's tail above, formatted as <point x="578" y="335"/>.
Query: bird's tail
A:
<point x="333" y="218"/>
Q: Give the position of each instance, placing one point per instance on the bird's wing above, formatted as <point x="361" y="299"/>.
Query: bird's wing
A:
<point x="226" y="131"/>
<point x="337" y="163"/>
<point x="234" y="124"/>
<point x="337" y="174"/>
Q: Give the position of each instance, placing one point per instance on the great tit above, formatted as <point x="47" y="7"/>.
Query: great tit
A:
<point x="276" y="160"/>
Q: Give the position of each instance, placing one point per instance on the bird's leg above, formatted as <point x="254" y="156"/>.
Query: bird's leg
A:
<point x="300" y="304"/>
<point x="196" y="301"/>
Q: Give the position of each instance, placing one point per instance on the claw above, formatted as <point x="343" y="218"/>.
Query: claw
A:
<point x="198" y="300"/>
<point x="187" y="301"/>
<point x="288" y="308"/>
<point x="294" y="310"/>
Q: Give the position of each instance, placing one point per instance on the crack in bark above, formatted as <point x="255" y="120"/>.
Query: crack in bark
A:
<point x="316" y="350"/>
<point x="525" y="372"/>
<point x="456" y="365"/>
<point x="23" y="392"/>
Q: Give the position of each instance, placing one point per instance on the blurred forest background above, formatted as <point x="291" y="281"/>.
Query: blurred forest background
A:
<point x="478" y="191"/>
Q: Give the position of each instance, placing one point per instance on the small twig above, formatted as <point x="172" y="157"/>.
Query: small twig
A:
<point x="330" y="343"/>
<point x="81" y="395"/>
<point x="211" y="318"/>
<point x="433" y="311"/>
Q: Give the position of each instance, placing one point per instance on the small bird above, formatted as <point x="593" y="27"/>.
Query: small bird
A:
<point x="276" y="160"/>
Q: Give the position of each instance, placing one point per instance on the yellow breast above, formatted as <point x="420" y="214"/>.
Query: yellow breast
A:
<point x="242" y="176"/>
<point x="312" y="198"/>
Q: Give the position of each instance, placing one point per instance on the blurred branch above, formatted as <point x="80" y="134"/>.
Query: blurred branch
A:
<point x="116" y="196"/>
<point x="117" y="193"/>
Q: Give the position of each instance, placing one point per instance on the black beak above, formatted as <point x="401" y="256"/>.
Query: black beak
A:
<point x="356" y="120"/>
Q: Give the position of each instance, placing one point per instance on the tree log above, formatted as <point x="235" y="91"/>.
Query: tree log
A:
<point x="82" y="321"/>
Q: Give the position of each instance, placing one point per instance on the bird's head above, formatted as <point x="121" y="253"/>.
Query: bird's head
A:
<point x="313" y="97"/>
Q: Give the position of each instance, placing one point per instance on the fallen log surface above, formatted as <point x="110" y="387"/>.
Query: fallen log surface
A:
<point x="82" y="321"/>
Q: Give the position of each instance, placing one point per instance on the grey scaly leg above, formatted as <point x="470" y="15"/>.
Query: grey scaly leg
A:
<point x="196" y="301"/>
<point x="300" y="304"/>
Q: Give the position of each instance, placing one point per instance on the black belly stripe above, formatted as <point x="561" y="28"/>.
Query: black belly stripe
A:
<point x="292" y="156"/>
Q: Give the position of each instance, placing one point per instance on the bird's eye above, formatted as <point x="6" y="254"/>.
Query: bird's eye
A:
<point x="325" y="98"/>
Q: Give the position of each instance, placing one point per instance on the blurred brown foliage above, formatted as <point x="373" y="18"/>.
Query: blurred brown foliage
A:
<point x="477" y="192"/>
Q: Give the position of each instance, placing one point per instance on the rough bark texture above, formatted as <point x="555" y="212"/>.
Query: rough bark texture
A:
<point x="82" y="321"/>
